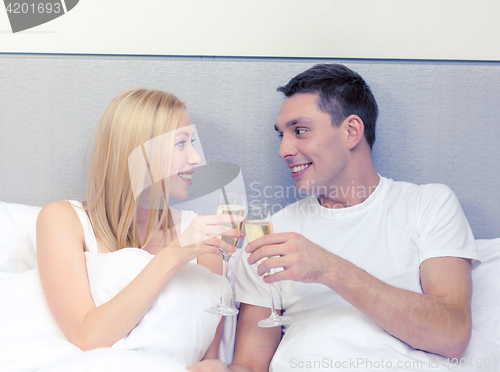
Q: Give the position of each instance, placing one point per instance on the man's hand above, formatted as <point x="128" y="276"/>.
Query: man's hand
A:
<point x="301" y="259"/>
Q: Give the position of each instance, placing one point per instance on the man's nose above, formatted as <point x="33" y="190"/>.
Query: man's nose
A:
<point x="287" y="147"/>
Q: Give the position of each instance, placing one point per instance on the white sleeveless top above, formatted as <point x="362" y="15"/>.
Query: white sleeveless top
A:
<point x="176" y="325"/>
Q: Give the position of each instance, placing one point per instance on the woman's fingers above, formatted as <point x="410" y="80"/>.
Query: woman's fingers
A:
<point x="227" y="231"/>
<point x="220" y="244"/>
<point x="207" y="230"/>
<point x="221" y="219"/>
<point x="217" y="230"/>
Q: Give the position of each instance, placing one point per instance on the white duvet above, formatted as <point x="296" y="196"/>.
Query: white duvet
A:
<point x="352" y="342"/>
<point x="175" y="332"/>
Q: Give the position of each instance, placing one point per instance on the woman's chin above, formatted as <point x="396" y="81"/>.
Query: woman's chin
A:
<point x="179" y="195"/>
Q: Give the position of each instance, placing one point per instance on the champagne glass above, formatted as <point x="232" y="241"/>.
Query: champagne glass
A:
<point x="258" y="223"/>
<point x="234" y="205"/>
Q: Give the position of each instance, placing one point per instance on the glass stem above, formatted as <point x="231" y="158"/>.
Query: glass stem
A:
<point x="273" y="310"/>
<point x="224" y="276"/>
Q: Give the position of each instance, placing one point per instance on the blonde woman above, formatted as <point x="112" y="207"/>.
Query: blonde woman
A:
<point x="109" y="262"/>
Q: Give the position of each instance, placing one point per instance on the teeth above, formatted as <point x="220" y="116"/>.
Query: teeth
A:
<point x="300" y="167"/>
<point x="186" y="175"/>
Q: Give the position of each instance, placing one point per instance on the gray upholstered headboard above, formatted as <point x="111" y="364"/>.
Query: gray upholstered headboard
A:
<point x="439" y="122"/>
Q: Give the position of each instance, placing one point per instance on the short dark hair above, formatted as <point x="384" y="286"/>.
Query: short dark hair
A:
<point x="342" y="92"/>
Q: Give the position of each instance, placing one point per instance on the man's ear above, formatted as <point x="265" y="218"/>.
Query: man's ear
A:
<point x="355" y="130"/>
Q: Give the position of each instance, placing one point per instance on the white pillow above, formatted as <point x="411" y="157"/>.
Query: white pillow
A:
<point x="486" y="296"/>
<point x="17" y="237"/>
<point x="188" y="330"/>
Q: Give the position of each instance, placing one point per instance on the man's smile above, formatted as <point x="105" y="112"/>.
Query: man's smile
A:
<point x="299" y="169"/>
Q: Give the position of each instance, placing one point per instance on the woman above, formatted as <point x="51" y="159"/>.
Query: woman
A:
<point x="136" y="249"/>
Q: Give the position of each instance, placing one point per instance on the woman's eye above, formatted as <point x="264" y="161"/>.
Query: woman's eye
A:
<point x="193" y="139"/>
<point x="181" y="143"/>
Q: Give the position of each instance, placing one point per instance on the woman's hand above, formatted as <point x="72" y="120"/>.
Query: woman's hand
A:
<point x="201" y="237"/>
<point x="208" y="365"/>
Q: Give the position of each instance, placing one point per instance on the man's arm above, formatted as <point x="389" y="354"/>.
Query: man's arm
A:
<point x="255" y="346"/>
<point x="438" y="321"/>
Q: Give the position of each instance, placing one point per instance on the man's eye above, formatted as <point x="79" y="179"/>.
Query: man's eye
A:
<point x="280" y="135"/>
<point x="300" y="131"/>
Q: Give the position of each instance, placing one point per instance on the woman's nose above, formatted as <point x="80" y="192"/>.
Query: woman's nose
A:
<point x="194" y="157"/>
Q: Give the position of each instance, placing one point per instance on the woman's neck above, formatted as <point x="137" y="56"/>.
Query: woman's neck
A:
<point x="159" y="240"/>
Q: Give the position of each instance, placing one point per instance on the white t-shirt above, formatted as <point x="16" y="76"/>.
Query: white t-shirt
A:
<point x="389" y="235"/>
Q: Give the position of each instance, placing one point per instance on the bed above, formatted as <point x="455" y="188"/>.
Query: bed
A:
<point x="439" y="122"/>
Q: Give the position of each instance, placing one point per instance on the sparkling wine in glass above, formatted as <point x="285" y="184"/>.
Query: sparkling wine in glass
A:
<point x="233" y="205"/>
<point x="258" y="223"/>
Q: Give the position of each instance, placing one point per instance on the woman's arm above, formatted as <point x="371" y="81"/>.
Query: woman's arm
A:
<point x="63" y="274"/>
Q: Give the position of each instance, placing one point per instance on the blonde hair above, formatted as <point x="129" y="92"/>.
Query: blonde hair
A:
<point x="131" y="119"/>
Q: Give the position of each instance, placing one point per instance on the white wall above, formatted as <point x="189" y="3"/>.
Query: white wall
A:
<point x="399" y="29"/>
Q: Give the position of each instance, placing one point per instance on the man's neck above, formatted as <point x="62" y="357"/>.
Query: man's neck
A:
<point x="353" y="188"/>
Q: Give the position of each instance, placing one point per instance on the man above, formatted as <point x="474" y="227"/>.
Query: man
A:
<point x="370" y="270"/>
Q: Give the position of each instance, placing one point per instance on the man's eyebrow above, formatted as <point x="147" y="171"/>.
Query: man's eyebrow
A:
<point x="293" y="122"/>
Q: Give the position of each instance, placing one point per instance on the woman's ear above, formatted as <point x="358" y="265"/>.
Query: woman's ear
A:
<point x="355" y="130"/>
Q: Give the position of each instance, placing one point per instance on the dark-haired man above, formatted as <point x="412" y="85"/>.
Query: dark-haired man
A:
<point x="371" y="271"/>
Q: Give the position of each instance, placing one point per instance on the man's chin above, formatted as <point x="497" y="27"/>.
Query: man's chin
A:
<point x="304" y="188"/>
<point x="311" y="188"/>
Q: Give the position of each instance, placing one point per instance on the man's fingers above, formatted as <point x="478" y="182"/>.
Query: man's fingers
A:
<point x="264" y="251"/>
<point x="266" y="240"/>
<point x="273" y="262"/>
<point x="277" y="277"/>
